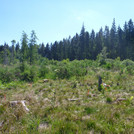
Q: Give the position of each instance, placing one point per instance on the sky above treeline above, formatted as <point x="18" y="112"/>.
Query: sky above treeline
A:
<point x="54" y="20"/>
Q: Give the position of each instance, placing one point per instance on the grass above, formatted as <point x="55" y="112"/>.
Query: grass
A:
<point x="70" y="106"/>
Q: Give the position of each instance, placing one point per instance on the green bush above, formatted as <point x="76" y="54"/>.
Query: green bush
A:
<point x="129" y="70"/>
<point x="108" y="66"/>
<point x="44" y="61"/>
<point x="28" y="73"/>
<point x="25" y="76"/>
<point x="78" y="69"/>
<point x="128" y="62"/>
<point x="7" y="75"/>
<point x="33" y="73"/>
<point x="43" y="71"/>
<point x="66" y="70"/>
<point x="63" y="72"/>
<point x="53" y="62"/>
<point x="117" y="64"/>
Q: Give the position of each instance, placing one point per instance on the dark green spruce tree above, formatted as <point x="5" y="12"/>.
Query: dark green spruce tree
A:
<point x="24" y="48"/>
<point x="113" y="41"/>
<point x="6" y="54"/>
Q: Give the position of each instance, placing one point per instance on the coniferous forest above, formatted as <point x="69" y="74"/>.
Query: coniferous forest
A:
<point x="118" y="42"/>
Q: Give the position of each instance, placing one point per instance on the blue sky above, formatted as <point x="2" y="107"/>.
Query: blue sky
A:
<point x="57" y="19"/>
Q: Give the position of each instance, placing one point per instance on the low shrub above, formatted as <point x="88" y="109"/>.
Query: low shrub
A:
<point x="63" y="72"/>
<point x="6" y="75"/>
<point x="43" y="71"/>
<point x="28" y="73"/>
<point x="108" y="99"/>
<point x="128" y="62"/>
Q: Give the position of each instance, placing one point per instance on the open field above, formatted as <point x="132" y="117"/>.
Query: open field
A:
<point x="71" y="105"/>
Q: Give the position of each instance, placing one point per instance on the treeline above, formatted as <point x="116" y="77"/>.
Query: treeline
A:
<point x="118" y="42"/>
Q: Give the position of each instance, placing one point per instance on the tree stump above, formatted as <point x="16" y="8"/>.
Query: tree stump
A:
<point x="99" y="83"/>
